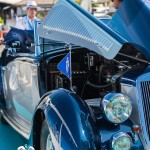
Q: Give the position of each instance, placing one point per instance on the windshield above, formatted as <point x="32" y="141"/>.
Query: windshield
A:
<point x="44" y="45"/>
<point x="50" y="44"/>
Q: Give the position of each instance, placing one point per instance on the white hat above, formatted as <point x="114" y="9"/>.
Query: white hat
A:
<point x="31" y="4"/>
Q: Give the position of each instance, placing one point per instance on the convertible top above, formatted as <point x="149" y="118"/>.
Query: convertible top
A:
<point x="23" y="36"/>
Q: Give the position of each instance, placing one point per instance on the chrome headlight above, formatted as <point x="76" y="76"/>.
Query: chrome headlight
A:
<point x="121" y="141"/>
<point x="116" y="107"/>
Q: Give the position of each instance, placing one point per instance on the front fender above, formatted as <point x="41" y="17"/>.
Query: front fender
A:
<point x="70" y="120"/>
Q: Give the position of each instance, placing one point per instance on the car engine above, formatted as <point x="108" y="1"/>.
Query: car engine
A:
<point x="93" y="76"/>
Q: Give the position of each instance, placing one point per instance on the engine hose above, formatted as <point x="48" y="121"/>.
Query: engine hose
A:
<point x="98" y="86"/>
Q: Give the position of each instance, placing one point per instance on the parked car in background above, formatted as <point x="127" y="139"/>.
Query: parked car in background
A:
<point x="84" y="86"/>
<point x="104" y="18"/>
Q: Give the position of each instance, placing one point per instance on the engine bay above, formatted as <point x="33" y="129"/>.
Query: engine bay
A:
<point x="93" y="76"/>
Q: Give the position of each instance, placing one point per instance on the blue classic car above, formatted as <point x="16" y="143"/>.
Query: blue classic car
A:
<point x="79" y="84"/>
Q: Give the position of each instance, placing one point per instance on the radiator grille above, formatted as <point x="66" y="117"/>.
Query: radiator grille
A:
<point x="145" y="95"/>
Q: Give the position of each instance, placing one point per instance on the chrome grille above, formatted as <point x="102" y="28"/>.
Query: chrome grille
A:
<point x="145" y="95"/>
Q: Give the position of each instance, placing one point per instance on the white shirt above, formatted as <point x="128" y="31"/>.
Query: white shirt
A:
<point x="25" y="23"/>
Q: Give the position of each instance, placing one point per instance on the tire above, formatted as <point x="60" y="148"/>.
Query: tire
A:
<point x="45" y="138"/>
<point x="3" y="121"/>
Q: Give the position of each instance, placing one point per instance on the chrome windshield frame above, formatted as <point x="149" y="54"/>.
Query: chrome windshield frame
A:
<point x="37" y="39"/>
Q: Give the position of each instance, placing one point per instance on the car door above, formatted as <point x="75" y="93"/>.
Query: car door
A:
<point x="21" y="89"/>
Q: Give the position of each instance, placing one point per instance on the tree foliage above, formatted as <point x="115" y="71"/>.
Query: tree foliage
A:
<point x="78" y="1"/>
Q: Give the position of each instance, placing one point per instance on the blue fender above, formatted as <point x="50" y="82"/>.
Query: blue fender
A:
<point x="70" y="120"/>
<point x="72" y="123"/>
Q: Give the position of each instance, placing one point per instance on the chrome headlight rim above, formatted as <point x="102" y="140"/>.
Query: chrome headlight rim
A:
<point x="118" y="136"/>
<point x="108" y="99"/>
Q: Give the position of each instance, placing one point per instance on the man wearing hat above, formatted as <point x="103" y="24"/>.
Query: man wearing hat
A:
<point x="27" y="22"/>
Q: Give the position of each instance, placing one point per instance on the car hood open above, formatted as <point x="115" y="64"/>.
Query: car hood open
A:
<point x="132" y="22"/>
<point x="70" y="23"/>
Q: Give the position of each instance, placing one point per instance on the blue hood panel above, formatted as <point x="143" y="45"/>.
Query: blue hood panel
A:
<point x="132" y="22"/>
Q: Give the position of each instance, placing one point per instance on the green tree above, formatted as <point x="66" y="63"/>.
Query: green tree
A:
<point x="1" y="20"/>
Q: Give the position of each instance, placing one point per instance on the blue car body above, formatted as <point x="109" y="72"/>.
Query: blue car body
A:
<point x="133" y="23"/>
<point x="104" y="59"/>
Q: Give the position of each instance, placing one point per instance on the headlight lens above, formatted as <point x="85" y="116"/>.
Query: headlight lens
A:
<point x="121" y="141"/>
<point x="116" y="107"/>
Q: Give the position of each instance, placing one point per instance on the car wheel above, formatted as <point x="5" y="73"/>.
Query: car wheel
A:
<point x="3" y="121"/>
<point x="45" y="138"/>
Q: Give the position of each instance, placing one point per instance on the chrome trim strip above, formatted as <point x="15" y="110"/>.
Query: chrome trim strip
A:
<point x="63" y="121"/>
<point x="60" y="133"/>
<point x="141" y="99"/>
<point x="55" y="143"/>
<point x="23" y="132"/>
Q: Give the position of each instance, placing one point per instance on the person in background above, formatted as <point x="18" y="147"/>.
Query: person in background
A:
<point x="27" y="22"/>
<point x="117" y="3"/>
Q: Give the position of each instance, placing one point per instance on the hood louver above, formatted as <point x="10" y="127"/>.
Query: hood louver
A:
<point x="69" y="23"/>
